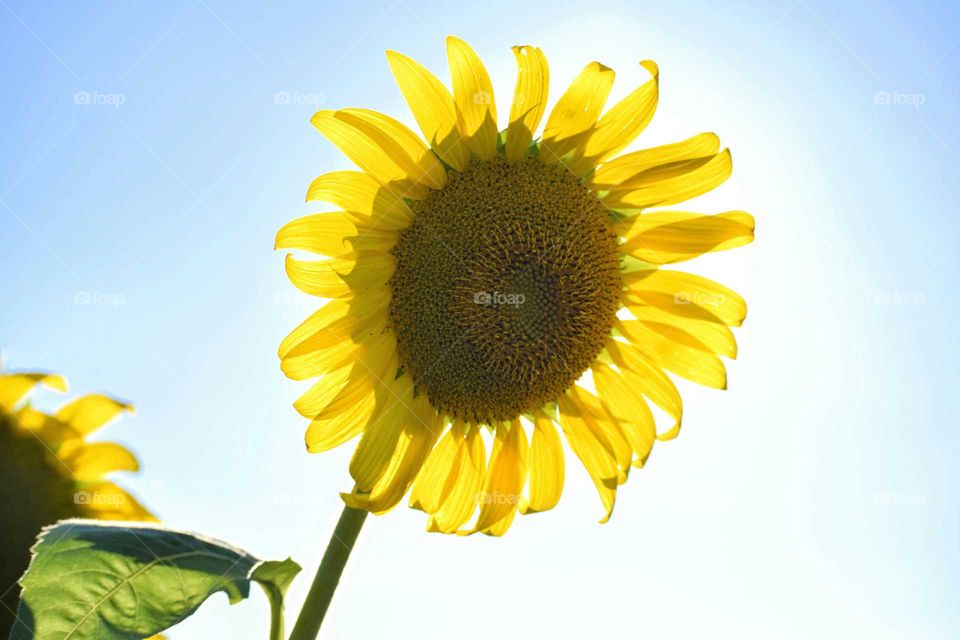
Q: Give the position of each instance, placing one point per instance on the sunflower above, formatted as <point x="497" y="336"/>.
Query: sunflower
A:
<point x="49" y="472"/>
<point x="490" y="290"/>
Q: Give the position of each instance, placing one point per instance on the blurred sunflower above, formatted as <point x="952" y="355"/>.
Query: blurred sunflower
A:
<point x="484" y="284"/>
<point x="49" y="471"/>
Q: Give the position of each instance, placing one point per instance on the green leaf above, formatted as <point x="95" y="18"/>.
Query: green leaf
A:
<point x="276" y="575"/>
<point x="120" y="581"/>
<point x="275" y="578"/>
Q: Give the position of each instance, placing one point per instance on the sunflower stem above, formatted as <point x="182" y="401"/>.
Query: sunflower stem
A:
<point x="328" y="575"/>
<point x="276" y="615"/>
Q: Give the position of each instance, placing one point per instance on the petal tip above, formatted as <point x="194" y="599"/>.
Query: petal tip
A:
<point x="58" y="383"/>
<point x="321" y="116"/>
<point x="394" y="57"/>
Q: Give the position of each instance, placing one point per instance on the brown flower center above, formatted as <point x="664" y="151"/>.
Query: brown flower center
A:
<point x="506" y="287"/>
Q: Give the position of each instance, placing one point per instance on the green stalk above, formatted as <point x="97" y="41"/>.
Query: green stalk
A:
<point x="276" y="614"/>
<point x="328" y="575"/>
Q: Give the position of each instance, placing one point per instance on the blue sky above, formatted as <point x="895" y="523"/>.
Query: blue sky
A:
<point x="150" y="153"/>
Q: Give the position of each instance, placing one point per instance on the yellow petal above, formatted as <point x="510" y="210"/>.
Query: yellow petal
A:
<point x="48" y="428"/>
<point x="339" y="318"/>
<point x="412" y="448"/>
<point x="627" y="404"/>
<point x="335" y="234"/>
<point x="107" y="501"/>
<point x="716" y="337"/>
<point x="383" y="148"/>
<point x="318" y="347"/>
<point x="362" y="196"/>
<point x="657" y="163"/>
<point x="14" y="387"/>
<point x="574" y="115"/>
<point x="529" y="100"/>
<point x="506" y="475"/>
<point x="605" y="428"/>
<point x="597" y="457"/>
<point x="673" y="332"/>
<point x="473" y="93"/>
<point x="620" y="125"/>
<point x="91" y="412"/>
<point x="664" y="237"/>
<point x="671" y="190"/>
<point x="685" y="295"/>
<point x="546" y="466"/>
<point x="320" y="278"/>
<point x="317" y="356"/>
<point x="392" y="132"/>
<point x="644" y="375"/>
<point x="340" y="277"/>
<point x="373" y="361"/>
<point x="461" y="492"/>
<point x="328" y="386"/>
<point x="435" y="479"/>
<point x="328" y="433"/>
<point x="375" y="450"/>
<point x="677" y="351"/>
<point x="91" y="461"/>
<point x="432" y="107"/>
